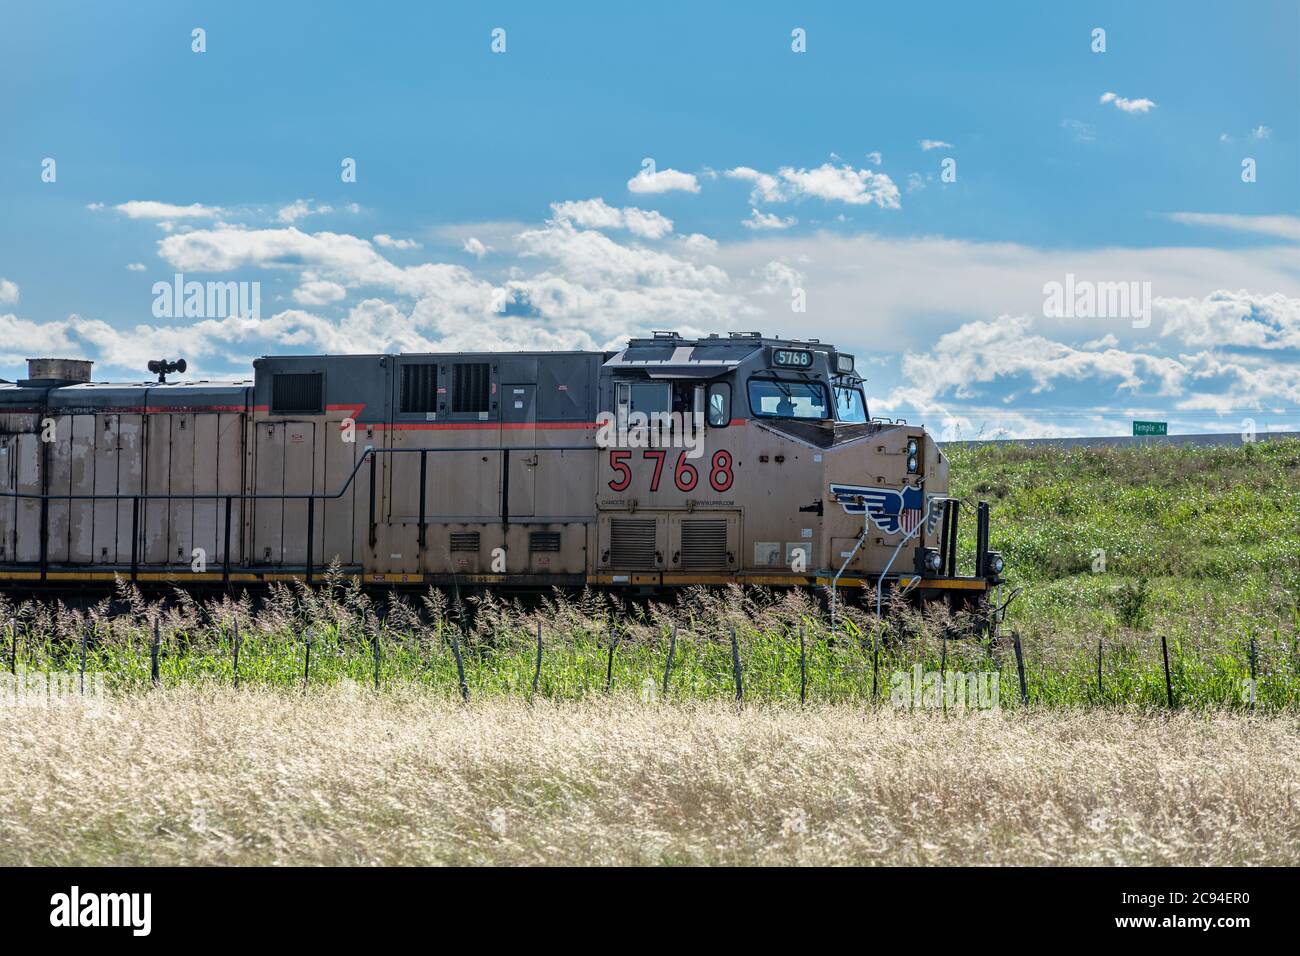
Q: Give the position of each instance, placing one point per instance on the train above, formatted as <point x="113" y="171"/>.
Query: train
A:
<point x="674" y="461"/>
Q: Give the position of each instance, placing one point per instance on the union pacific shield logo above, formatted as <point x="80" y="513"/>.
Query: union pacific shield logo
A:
<point x="889" y="510"/>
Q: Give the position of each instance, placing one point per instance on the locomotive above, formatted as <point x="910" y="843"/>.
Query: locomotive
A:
<point x="674" y="461"/>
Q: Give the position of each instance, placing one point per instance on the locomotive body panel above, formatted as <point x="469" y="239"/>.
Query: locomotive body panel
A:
<point x="671" y="462"/>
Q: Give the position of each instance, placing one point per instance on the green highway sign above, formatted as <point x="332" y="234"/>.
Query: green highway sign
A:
<point x="1150" y="428"/>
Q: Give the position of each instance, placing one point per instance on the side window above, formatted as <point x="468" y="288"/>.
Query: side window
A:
<point x="719" y="405"/>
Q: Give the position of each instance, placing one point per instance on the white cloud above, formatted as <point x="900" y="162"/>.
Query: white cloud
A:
<point x="763" y="220"/>
<point x="135" y="267"/>
<point x="300" y="209"/>
<point x="874" y="158"/>
<point x="662" y="181"/>
<point x="475" y="248"/>
<point x="1225" y="138"/>
<point x="1233" y="320"/>
<point x="915" y="182"/>
<point x="149" y="209"/>
<point x="94" y="206"/>
<point x="1284" y="227"/>
<point x="388" y="242"/>
<point x="319" y="292"/>
<point x="1128" y="106"/>
<point x="929" y="144"/>
<point x="828" y="182"/>
<point x="8" y="292"/>
<point x="596" y="214"/>
<point x="699" y="243"/>
<point x="1261" y="132"/>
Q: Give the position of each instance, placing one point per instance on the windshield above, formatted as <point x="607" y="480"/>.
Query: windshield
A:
<point x="771" y="398"/>
<point x="850" y="405"/>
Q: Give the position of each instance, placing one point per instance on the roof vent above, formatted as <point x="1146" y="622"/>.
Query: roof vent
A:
<point x="53" y="371"/>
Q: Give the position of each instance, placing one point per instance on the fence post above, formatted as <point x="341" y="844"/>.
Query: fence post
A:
<point x="1169" y="684"/>
<point x="1254" y="687"/>
<point x="735" y="666"/>
<point x="1100" y="693"/>
<point x="875" y="659"/>
<point x="236" y="653"/>
<point x="803" y="669"/>
<point x="537" y="672"/>
<point x="609" y="667"/>
<point x="668" y="666"/>
<point x="154" y="678"/>
<point x="306" y="664"/>
<point x="81" y="671"/>
<point x="943" y="672"/>
<point x="460" y="667"/>
<point x="1020" y="667"/>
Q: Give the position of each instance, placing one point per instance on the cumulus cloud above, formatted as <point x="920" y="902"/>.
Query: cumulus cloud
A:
<point x="662" y="181"/>
<point x="874" y="158"/>
<point x="1233" y="319"/>
<point x="319" y="292"/>
<point x="8" y="292"/>
<point x="388" y="242"/>
<point x="135" y="267"/>
<point x="1261" y="132"/>
<point x="475" y="247"/>
<point x="1142" y="105"/>
<point x="300" y="209"/>
<point x="829" y="182"/>
<point x="929" y="144"/>
<point x="764" y="220"/>
<point x="596" y="214"/>
<point x="150" y="209"/>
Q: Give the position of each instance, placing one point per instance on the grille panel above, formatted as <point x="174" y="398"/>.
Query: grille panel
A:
<point x="470" y="386"/>
<point x="704" y="544"/>
<point x="464" y="541"/>
<point x="539" y="541"/>
<point x="419" y="387"/>
<point x="297" y="392"/>
<point x="632" y="542"/>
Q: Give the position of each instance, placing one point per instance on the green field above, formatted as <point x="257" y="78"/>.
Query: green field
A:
<point x="1112" y="549"/>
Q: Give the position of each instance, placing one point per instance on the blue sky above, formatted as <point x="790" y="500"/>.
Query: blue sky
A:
<point x="505" y="187"/>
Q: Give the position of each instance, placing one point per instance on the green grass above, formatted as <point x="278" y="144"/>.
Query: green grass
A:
<point x="1200" y="546"/>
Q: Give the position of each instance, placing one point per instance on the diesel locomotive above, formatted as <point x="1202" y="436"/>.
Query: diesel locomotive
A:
<point x="674" y="461"/>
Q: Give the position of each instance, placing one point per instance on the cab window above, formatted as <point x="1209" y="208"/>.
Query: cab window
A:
<point x="850" y="405"/>
<point x="719" y="405"/>
<point x="777" y="398"/>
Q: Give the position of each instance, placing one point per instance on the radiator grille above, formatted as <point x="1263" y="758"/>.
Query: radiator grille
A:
<point x="470" y="386"/>
<point x="632" y="542"/>
<point x="420" y="387"/>
<point x="464" y="541"/>
<point x="544" y="541"/>
<point x="297" y="392"/>
<point x="704" y="544"/>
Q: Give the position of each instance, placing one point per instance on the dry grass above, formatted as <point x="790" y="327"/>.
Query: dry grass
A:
<point x="342" y="776"/>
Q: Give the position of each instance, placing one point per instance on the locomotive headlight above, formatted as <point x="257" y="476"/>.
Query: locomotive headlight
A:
<point x="932" y="560"/>
<point x="911" y="463"/>
<point x="911" y="446"/>
<point x="994" y="564"/>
